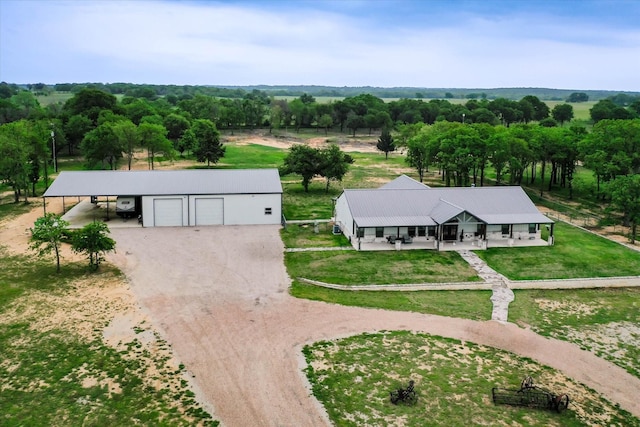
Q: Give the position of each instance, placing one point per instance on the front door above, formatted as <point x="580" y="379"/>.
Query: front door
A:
<point x="450" y="232"/>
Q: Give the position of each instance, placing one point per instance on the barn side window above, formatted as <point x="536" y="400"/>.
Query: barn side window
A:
<point x="533" y="228"/>
<point x="267" y="211"/>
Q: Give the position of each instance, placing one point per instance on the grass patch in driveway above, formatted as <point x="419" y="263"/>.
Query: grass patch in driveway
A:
<point x="380" y="267"/>
<point x="473" y="305"/>
<point x="576" y="254"/>
<point x="352" y="378"/>
<point x="603" y="321"/>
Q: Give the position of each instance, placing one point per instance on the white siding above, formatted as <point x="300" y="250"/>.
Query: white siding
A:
<point x="343" y="216"/>
<point x="229" y="209"/>
<point x="252" y="209"/>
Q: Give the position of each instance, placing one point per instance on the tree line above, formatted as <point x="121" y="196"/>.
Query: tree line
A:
<point x="514" y="137"/>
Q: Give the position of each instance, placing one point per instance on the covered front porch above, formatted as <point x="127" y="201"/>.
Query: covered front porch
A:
<point x="474" y="245"/>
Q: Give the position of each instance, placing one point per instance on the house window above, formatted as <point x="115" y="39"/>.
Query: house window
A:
<point x="432" y="231"/>
<point x="533" y="228"/>
<point x="505" y="228"/>
<point x="267" y="211"/>
<point x="411" y="231"/>
<point x="422" y="231"/>
<point x="379" y="232"/>
<point x="360" y="232"/>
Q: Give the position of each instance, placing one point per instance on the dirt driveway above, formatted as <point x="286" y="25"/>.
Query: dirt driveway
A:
<point x="219" y="296"/>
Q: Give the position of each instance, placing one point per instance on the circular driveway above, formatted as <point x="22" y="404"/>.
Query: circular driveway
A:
<point x="219" y="297"/>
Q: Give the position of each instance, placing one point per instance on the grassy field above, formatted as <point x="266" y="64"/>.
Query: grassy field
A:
<point x="603" y="321"/>
<point x="352" y="378"/>
<point x="56" y="368"/>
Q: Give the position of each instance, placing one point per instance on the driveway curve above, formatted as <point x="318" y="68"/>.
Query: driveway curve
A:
<point x="219" y="296"/>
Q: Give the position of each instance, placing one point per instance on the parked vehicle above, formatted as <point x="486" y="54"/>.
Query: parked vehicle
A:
<point x="128" y="206"/>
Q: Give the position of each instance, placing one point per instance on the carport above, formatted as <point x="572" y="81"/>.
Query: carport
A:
<point x="196" y="197"/>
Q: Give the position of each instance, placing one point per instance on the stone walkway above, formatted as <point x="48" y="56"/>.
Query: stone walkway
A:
<point x="502" y="295"/>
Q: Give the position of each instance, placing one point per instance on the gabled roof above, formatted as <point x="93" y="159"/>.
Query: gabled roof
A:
<point x="403" y="182"/>
<point x="382" y="208"/>
<point x="147" y="183"/>
<point x="444" y="211"/>
<point x="431" y="206"/>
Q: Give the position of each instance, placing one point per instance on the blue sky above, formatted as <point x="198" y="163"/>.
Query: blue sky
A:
<point x="565" y="44"/>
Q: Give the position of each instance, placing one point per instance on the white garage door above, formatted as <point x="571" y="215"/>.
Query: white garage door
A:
<point x="167" y="212"/>
<point x="209" y="211"/>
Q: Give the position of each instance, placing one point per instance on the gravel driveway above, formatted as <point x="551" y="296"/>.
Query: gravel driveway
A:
<point x="219" y="296"/>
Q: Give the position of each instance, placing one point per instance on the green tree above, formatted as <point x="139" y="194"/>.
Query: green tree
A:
<point x="93" y="241"/>
<point x="75" y="129"/>
<point x="606" y="109"/>
<point x="208" y="147"/>
<point x="154" y="138"/>
<point x="625" y="196"/>
<point x="578" y="97"/>
<point x="47" y="235"/>
<point x="176" y="125"/>
<point x="562" y="113"/>
<point x="13" y="164"/>
<point x="334" y="164"/>
<point x="91" y="102"/>
<point x="385" y="143"/>
<point x="102" y="145"/>
<point x="187" y="142"/>
<point x="419" y="151"/>
<point x="325" y="121"/>
<point x="302" y="160"/>
<point x="539" y="109"/>
<point x="499" y="151"/>
<point x="127" y="134"/>
<point x="354" y="122"/>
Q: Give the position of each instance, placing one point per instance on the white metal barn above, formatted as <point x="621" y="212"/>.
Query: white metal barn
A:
<point x="184" y="197"/>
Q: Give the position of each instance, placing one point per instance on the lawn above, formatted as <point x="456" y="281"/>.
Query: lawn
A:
<point x="303" y="236"/>
<point x="380" y="267"/>
<point x="352" y="378"/>
<point x="576" y="254"/>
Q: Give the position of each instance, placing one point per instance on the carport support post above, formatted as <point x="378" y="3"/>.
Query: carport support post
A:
<point x="44" y="205"/>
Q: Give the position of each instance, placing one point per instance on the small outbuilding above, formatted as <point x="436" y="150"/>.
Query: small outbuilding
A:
<point x="193" y="197"/>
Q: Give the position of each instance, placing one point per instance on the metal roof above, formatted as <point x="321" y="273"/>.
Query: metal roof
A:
<point x="431" y="206"/>
<point x="403" y="182"/>
<point x="148" y="183"/>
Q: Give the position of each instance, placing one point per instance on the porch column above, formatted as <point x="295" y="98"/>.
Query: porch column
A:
<point x="438" y="237"/>
<point x="511" y="231"/>
<point x="551" y="242"/>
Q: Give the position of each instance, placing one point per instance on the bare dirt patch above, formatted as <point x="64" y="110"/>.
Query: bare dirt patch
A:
<point x="346" y="143"/>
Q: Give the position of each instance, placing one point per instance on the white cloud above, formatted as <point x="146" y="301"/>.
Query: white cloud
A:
<point x="244" y="43"/>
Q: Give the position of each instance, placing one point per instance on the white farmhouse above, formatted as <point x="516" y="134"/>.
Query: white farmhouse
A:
<point x="406" y="212"/>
